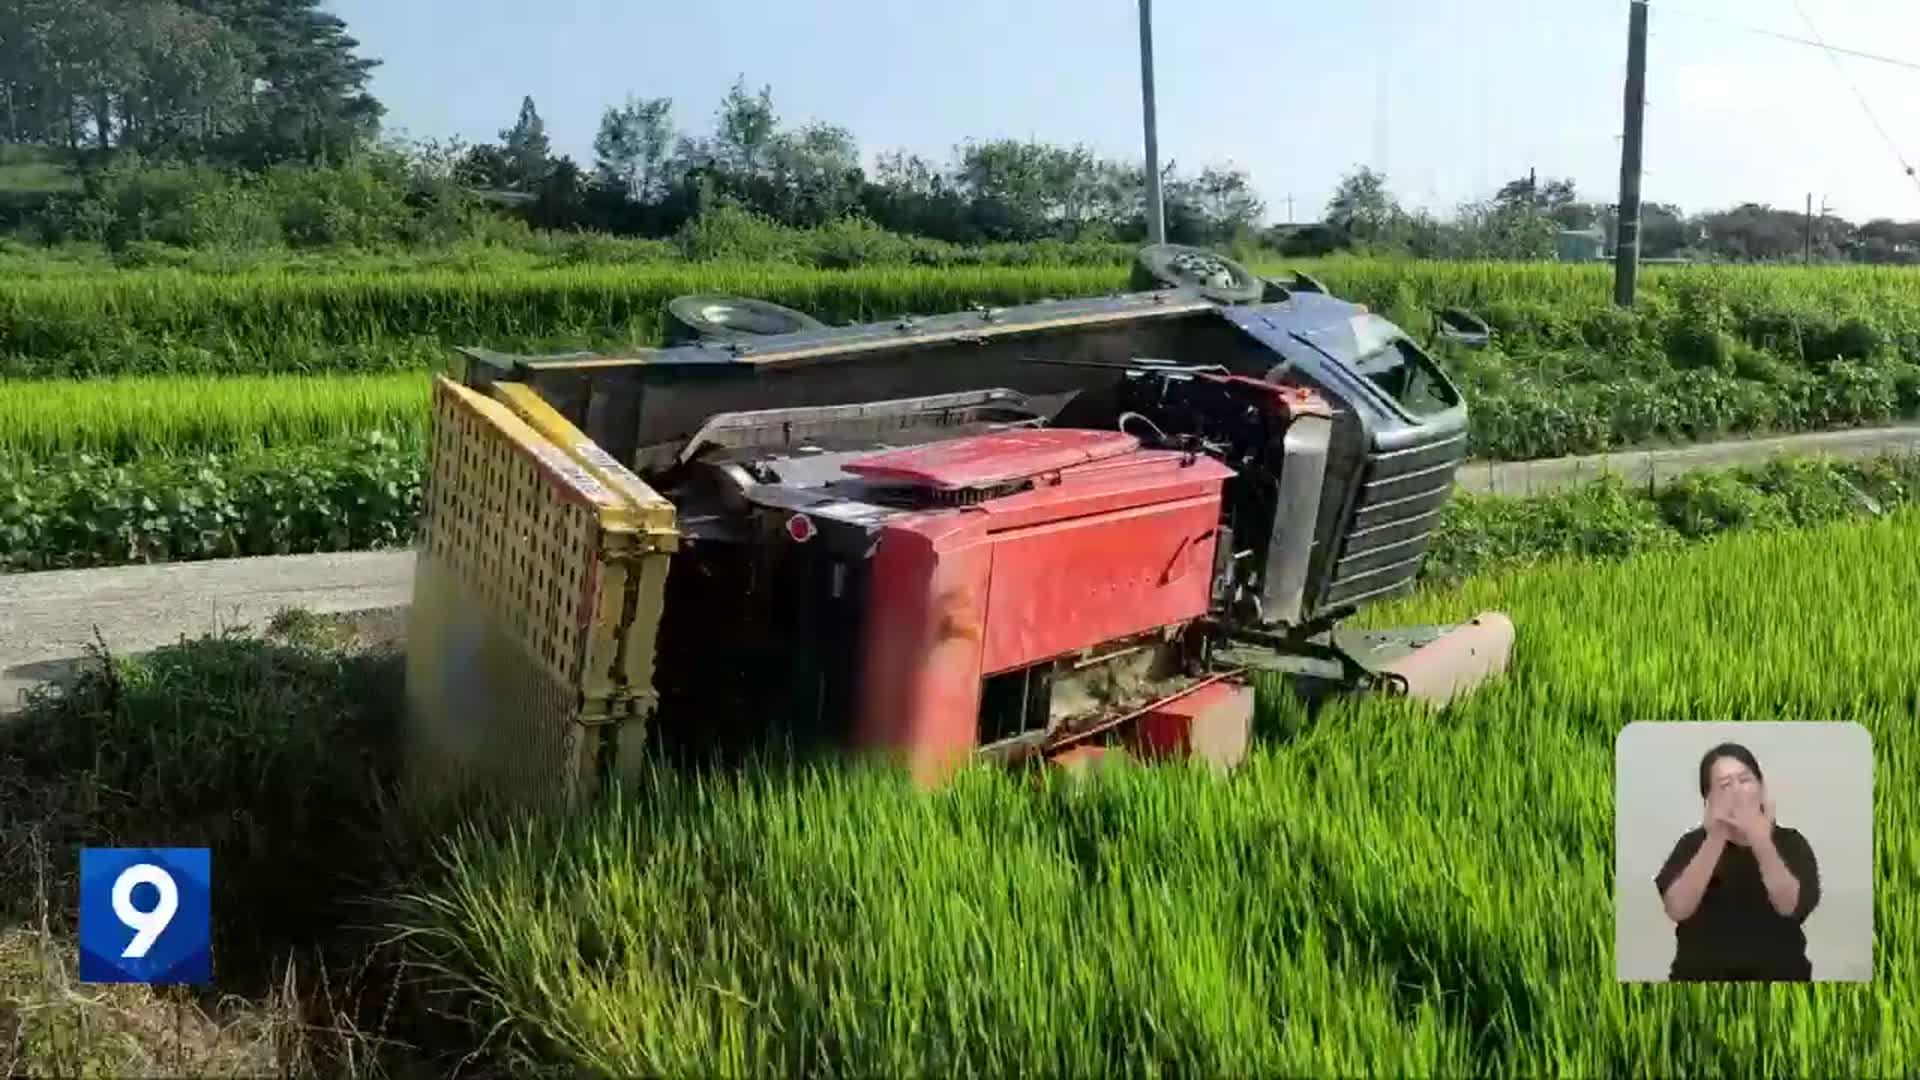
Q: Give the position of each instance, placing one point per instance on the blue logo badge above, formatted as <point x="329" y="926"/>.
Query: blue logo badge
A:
<point x="146" y="915"/>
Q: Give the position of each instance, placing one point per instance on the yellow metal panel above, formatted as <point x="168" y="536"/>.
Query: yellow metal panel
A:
<point x="519" y="631"/>
<point x="651" y="511"/>
<point x="645" y="575"/>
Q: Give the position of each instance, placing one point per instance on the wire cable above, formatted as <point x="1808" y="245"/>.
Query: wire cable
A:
<point x="1862" y="98"/>
<point x="1878" y="58"/>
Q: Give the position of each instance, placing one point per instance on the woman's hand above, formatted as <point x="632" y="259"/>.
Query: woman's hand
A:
<point x="1722" y="821"/>
<point x="1752" y="822"/>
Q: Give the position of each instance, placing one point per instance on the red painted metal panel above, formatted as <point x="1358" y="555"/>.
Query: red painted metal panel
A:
<point x="1143" y="478"/>
<point x="1169" y="730"/>
<point x="1105" y="551"/>
<point x="925" y="626"/>
<point x="1072" y="585"/>
<point x="997" y="458"/>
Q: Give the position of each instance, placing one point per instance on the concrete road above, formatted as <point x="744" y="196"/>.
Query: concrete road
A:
<point x="48" y="619"/>
<point x="1550" y="474"/>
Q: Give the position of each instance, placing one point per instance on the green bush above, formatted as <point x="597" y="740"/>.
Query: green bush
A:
<point x="83" y="511"/>
<point x="1609" y="518"/>
<point x="734" y="234"/>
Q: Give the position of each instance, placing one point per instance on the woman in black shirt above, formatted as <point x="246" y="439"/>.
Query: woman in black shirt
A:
<point x="1739" y="887"/>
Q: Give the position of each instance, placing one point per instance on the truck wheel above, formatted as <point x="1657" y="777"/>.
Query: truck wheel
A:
<point x="705" y="317"/>
<point x="1177" y="266"/>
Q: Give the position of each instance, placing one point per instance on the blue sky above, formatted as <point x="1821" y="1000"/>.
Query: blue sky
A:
<point x="1449" y="99"/>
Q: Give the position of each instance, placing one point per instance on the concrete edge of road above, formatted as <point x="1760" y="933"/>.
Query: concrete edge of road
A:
<point x="1666" y="463"/>
<point x="48" y="619"/>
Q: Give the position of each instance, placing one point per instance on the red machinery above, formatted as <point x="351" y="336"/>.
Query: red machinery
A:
<point x="1008" y="534"/>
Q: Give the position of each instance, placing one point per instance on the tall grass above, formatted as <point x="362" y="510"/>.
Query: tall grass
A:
<point x="136" y="415"/>
<point x="1708" y="352"/>
<point x="270" y="320"/>
<point x="1388" y="891"/>
<point x="155" y="322"/>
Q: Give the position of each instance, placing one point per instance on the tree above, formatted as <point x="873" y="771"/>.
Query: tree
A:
<point x="1520" y="220"/>
<point x="560" y="195"/>
<point x="63" y="62"/>
<point x="1025" y="190"/>
<point x="528" y="154"/>
<point x="744" y="129"/>
<point x="1503" y="228"/>
<point x="1362" y="208"/>
<point x="1755" y="233"/>
<point x="1529" y="193"/>
<point x="308" y="86"/>
<point x="1884" y="240"/>
<point x="484" y="166"/>
<point x="815" y="174"/>
<point x="191" y="84"/>
<point x="633" y="146"/>
<point x="1228" y="201"/>
<point x="248" y="82"/>
<point x="907" y="193"/>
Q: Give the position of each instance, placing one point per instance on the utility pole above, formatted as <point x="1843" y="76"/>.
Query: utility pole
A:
<point x="1808" y="260"/>
<point x="1156" y="209"/>
<point x="1626" y="254"/>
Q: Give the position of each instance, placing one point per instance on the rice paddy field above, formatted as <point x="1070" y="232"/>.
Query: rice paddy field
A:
<point x="1381" y="891"/>
<point x="154" y="415"/>
<point x="224" y="414"/>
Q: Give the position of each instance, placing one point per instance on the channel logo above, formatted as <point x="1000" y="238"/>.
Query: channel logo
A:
<point x="146" y="915"/>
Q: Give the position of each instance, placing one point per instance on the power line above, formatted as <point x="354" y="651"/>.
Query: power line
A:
<point x="1862" y="98"/>
<point x="1879" y="58"/>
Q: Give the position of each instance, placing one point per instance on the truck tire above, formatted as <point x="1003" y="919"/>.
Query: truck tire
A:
<point x="704" y="317"/>
<point x="1177" y="266"/>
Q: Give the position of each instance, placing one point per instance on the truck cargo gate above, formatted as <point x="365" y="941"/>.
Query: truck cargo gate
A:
<point x="537" y="597"/>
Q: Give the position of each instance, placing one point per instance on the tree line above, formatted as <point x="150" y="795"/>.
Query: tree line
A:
<point x="647" y="175"/>
<point x="1525" y="218"/>
<point x="247" y="83"/>
<point x="269" y="88"/>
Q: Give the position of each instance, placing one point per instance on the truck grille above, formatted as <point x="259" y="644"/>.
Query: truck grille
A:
<point x="1401" y="496"/>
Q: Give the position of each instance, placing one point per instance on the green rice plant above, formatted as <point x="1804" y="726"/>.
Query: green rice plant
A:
<point x="1708" y="351"/>
<point x="124" y="417"/>
<point x="1392" y="890"/>
<point x="169" y="322"/>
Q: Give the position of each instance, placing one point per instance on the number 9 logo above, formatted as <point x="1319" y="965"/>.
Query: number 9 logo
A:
<point x="147" y="925"/>
<point x="161" y="898"/>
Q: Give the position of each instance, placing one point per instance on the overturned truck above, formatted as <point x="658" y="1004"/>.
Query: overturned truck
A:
<point x="1043" y="532"/>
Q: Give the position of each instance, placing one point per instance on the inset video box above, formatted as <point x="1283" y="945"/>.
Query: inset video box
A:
<point x="1743" y="852"/>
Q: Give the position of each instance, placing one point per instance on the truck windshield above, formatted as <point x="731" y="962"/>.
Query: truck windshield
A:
<point x="1375" y="349"/>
